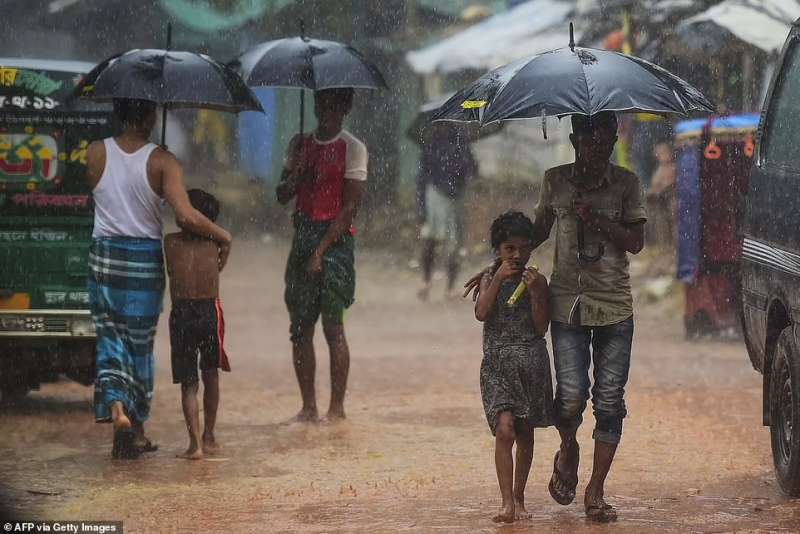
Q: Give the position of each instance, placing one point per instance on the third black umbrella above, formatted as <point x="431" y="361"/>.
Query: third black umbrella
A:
<point x="568" y="81"/>
<point x="573" y="80"/>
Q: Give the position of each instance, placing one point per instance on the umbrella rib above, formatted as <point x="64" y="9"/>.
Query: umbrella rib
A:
<point x="585" y="82"/>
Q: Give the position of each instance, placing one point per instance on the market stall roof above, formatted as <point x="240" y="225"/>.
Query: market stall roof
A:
<point x="527" y="29"/>
<point x="763" y="23"/>
<point x="731" y="124"/>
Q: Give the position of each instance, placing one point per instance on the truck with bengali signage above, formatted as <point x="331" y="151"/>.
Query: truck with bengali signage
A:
<point x="46" y="217"/>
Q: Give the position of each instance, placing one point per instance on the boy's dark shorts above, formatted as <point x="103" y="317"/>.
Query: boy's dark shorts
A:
<point x="328" y="294"/>
<point x="193" y="330"/>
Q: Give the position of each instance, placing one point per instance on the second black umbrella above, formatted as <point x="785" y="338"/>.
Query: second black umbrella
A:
<point x="308" y="64"/>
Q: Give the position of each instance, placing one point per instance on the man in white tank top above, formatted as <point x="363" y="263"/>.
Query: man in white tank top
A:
<point x="131" y="179"/>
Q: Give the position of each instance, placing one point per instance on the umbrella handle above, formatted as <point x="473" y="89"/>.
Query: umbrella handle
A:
<point x="302" y="91"/>
<point x="164" y="108"/>
<point x="584" y="257"/>
<point x="164" y="126"/>
<point x="302" y="110"/>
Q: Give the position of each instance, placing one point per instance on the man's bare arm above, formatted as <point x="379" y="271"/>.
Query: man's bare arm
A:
<point x="293" y="174"/>
<point x="186" y="216"/>
<point x="287" y="187"/>
<point x="95" y="163"/>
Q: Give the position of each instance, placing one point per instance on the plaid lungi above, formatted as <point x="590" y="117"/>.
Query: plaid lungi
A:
<point x="126" y="288"/>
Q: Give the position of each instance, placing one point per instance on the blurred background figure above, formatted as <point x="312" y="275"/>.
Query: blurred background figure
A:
<point x="660" y="198"/>
<point x="446" y="164"/>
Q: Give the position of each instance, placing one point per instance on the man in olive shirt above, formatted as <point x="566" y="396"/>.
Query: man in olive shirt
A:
<point x="599" y="217"/>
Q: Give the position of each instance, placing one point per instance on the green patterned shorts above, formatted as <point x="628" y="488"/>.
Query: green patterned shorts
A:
<point x="329" y="294"/>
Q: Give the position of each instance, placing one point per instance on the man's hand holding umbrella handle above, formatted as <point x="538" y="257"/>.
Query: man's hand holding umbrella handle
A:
<point x="629" y="237"/>
<point x="295" y="172"/>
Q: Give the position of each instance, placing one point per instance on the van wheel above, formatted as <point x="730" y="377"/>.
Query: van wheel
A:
<point x="784" y="406"/>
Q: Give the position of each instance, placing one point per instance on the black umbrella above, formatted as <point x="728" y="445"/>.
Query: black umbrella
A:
<point x="169" y="78"/>
<point x="573" y="80"/>
<point x="307" y="64"/>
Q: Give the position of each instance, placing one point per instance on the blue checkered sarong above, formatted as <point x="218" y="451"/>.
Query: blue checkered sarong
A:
<point x="126" y="288"/>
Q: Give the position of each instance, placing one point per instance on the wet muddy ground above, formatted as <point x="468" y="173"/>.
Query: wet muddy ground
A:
<point x="415" y="454"/>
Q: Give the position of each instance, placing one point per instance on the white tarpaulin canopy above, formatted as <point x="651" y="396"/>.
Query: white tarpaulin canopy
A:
<point x="762" y="23"/>
<point x="527" y="29"/>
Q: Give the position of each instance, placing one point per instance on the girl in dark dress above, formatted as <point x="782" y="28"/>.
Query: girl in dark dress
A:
<point x="516" y="387"/>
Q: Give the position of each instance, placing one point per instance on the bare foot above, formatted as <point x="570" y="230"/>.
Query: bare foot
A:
<point x="118" y="417"/>
<point x="505" y="515"/>
<point x="597" y="509"/>
<point x="210" y="445"/>
<point x="192" y="453"/>
<point x="334" y="416"/>
<point x="424" y="291"/>
<point x="121" y="422"/>
<point x="303" y="416"/>
<point x="520" y="513"/>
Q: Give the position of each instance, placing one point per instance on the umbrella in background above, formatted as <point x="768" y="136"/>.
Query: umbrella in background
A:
<point x="169" y="78"/>
<point x="573" y="80"/>
<point x="307" y="63"/>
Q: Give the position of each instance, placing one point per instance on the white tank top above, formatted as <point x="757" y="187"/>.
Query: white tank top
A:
<point x="125" y="204"/>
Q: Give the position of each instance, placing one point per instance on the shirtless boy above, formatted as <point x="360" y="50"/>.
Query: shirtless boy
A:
<point x="196" y="326"/>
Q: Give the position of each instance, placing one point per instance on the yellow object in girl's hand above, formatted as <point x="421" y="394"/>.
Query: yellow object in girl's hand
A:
<point x="521" y="287"/>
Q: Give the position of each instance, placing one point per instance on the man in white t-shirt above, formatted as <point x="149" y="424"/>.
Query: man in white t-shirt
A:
<point x="326" y="171"/>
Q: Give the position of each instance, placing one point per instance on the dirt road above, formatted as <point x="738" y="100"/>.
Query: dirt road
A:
<point x="415" y="454"/>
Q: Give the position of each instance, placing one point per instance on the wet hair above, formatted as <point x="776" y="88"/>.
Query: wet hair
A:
<point x="205" y="203"/>
<point x="132" y="110"/>
<point x="508" y="225"/>
<point x="343" y="96"/>
<point x="586" y="124"/>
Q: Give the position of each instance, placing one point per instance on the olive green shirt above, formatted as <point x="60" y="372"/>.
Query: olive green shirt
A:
<point x="601" y="290"/>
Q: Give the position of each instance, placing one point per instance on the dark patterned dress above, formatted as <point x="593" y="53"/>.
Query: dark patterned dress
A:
<point x="515" y="372"/>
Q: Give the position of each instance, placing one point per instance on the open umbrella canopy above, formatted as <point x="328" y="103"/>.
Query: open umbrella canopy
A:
<point x="573" y="80"/>
<point x="308" y="63"/>
<point x="470" y="130"/>
<point x="174" y="78"/>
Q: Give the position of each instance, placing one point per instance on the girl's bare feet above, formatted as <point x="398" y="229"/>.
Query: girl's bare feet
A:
<point x="192" y="453"/>
<point x="303" y="416"/>
<point x="334" y="415"/>
<point x="210" y="445"/>
<point x="505" y="514"/>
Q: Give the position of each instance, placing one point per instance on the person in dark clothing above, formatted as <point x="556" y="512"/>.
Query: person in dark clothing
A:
<point x="445" y="167"/>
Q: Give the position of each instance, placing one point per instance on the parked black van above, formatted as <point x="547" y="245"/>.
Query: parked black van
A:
<point x="771" y="263"/>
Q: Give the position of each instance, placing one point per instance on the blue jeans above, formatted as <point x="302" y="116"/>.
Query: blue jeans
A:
<point x="611" y="354"/>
